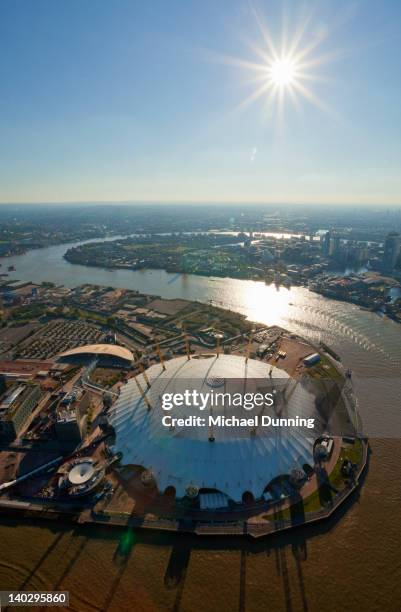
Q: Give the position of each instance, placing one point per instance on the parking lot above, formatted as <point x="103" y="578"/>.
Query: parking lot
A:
<point x="58" y="336"/>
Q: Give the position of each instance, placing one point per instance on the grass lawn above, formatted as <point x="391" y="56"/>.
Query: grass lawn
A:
<point x="324" y="369"/>
<point x="313" y="503"/>
<point x="352" y="452"/>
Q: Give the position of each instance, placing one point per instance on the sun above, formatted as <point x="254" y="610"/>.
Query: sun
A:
<point x="282" y="72"/>
<point x="285" y="71"/>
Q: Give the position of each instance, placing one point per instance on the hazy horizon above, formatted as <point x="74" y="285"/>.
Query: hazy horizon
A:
<point x="187" y="203"/>
<point x="139" y="203"/>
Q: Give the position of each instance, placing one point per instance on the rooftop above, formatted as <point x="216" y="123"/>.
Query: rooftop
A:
<point x="112" y="350"/>
<point x="237" y="460"/>
<point x="13" y="399"/>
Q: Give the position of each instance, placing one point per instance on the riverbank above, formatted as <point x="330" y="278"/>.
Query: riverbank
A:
<point x="255" y="527"/>
<point x="210" y="256"/>
<point x="322" y="490"/>
<point x="106" y="568"/>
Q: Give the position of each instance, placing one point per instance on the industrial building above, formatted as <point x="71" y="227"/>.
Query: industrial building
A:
<point x="15" y="409"/>
<point x="72" y="416"/>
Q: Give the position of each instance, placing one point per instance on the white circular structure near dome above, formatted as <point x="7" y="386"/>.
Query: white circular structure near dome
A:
<point x="233" y="460"/>
<point x="81" y="473"/>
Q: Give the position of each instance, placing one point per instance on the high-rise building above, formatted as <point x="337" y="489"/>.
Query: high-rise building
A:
<point x="325" y="242"/>
<point x="335" y="246"/>
<point x="392" y="247"/>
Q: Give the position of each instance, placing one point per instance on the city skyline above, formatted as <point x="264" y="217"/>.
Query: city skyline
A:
<point x="144" y="104"/>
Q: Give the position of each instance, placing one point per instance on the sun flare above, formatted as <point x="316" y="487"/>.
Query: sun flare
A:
<point x="282" y="72"/>
<point x="285" y="71"/>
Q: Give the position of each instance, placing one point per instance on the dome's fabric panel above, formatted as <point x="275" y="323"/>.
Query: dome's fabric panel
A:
<point x="236" y="461"/>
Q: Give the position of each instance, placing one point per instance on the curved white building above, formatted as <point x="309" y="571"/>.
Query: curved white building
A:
<point x="232" y="460"/>
<point x="81" y="477"/>
<point x="81" y="473"/>
<point x="106" y="352"/>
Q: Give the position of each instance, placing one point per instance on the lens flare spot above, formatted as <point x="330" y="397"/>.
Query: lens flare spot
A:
<point x="283" y="72"/>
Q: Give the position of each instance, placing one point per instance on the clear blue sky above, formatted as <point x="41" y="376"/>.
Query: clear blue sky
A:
<point x="127" y="100"/>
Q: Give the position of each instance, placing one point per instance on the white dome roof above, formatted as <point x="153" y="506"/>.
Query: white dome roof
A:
<point x="236" y="461"/>
<point x="81" y="473"/>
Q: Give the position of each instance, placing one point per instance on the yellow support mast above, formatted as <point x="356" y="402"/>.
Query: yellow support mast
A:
<point x="248" y="351"/>
<point x="142" y="392"/>
<point x="159" y="354"/>
<point x="187" y="348"/>
<point x="143" y="372"/>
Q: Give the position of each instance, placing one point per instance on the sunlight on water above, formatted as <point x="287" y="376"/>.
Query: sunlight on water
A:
<point x="266" y="303"/>
<point x="354" y="333"/>
<point x="106" y="570"/>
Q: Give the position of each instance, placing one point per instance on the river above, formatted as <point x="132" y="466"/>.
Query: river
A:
<point x="353" y="562"/>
